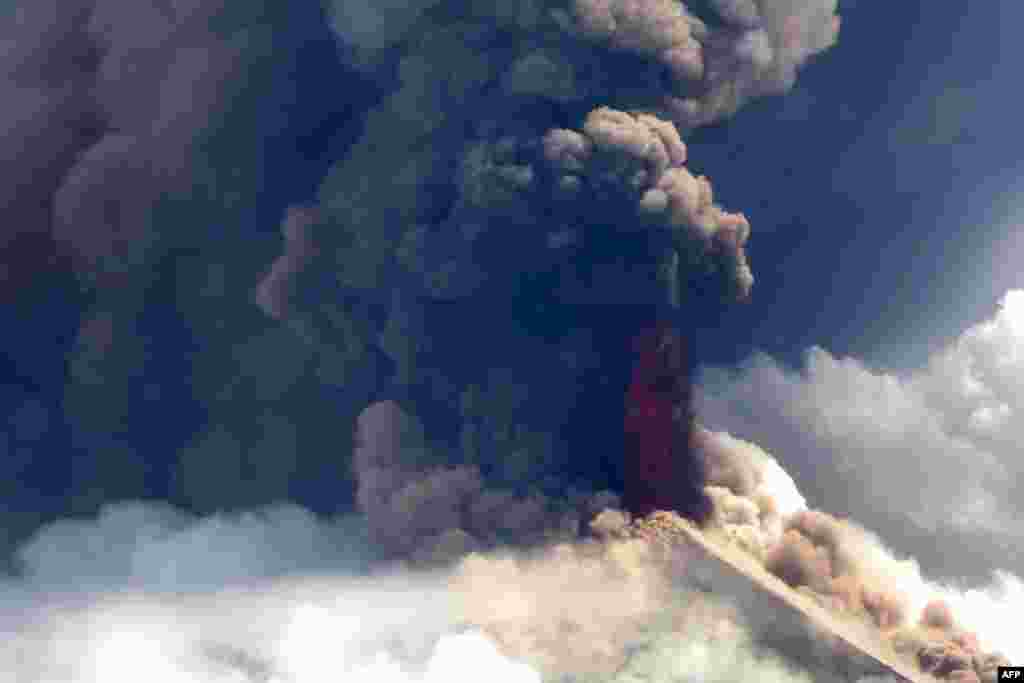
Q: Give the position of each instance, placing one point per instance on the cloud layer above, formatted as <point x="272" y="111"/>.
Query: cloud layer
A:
<point x="278" y="596"/>
<point x="919" y="456"/>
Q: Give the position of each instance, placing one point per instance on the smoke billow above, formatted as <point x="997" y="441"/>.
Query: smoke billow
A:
<point x="709" y="69"/>
<point x="49" y="104"/>
<point x="642" y="156"/>
<point x="620" y="606"/>
<point x="752" y="494"/>
<point x="843" y="567"/>
<point x="524" y="158"/>
<point x="519" y="159"/>
<point x="515" y="159"/>
<point x="416" y="508"/>
<point x="876" y="434"/>
<point x="138" y="148"/>
<point x="106" y="110"/>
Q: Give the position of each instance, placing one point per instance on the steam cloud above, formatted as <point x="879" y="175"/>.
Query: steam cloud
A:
<point x="657" y="61"/>
<point x="217" y="600"/>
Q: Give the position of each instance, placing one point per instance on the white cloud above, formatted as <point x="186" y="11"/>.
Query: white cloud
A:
<point x="96" y="607"/>
<point x="159" y="547"/>
<point x="930" y="459"/>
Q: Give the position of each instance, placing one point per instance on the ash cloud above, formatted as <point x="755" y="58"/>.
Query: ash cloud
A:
<point x="417" y="508"/>
<point x="501" y="151"/>
<point x="858" y="440"/>
<point x="513" y="150"/>
<point x="617" y="607"/>
<point x="847" y="570"/>
<point x="104" y="108"/>
<point x="139" y="146"/>
<point x="522" y="157"/>
<point x="709" y="69"/>
<point x="548" y="63"/>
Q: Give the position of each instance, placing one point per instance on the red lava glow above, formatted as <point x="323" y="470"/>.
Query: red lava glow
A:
<point x="661" y="472"/>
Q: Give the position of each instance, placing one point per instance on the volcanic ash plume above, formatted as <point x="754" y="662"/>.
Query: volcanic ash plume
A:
<point x="520" y="156"/>
<point x="448" y="180"/>
<point x="418" y="509"/>
<point x="752" y="494"/>
<point x="134" y="145"/>
<point x="524" y="156"/>
<point x="618" y="165"/>
<point x="697" y="60"/>
<point x="641" y="157"/>
<point x="100" y="92"/>
<point x="712" y="68"/>
<point x="837" y="564"/>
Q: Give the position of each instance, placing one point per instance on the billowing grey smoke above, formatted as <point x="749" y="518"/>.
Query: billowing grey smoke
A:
<point x="694" y="70"/>
<point x="481" y="181"/>
<point x="476" y="94"/>
<point x="842" y="421"/>
<point x="642" y="157"/>
<point x="435" y="513"/>
<point x="134" y="145"/>
<point x="517" y="151"/>
<point x="106" y="110"/>
<point x="710" y="70"/>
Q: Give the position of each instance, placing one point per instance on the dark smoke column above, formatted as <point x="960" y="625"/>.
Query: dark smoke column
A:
<point x="525" y="171"/>
<point x="679" y="236"/>
<point x="661" y="470"/>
